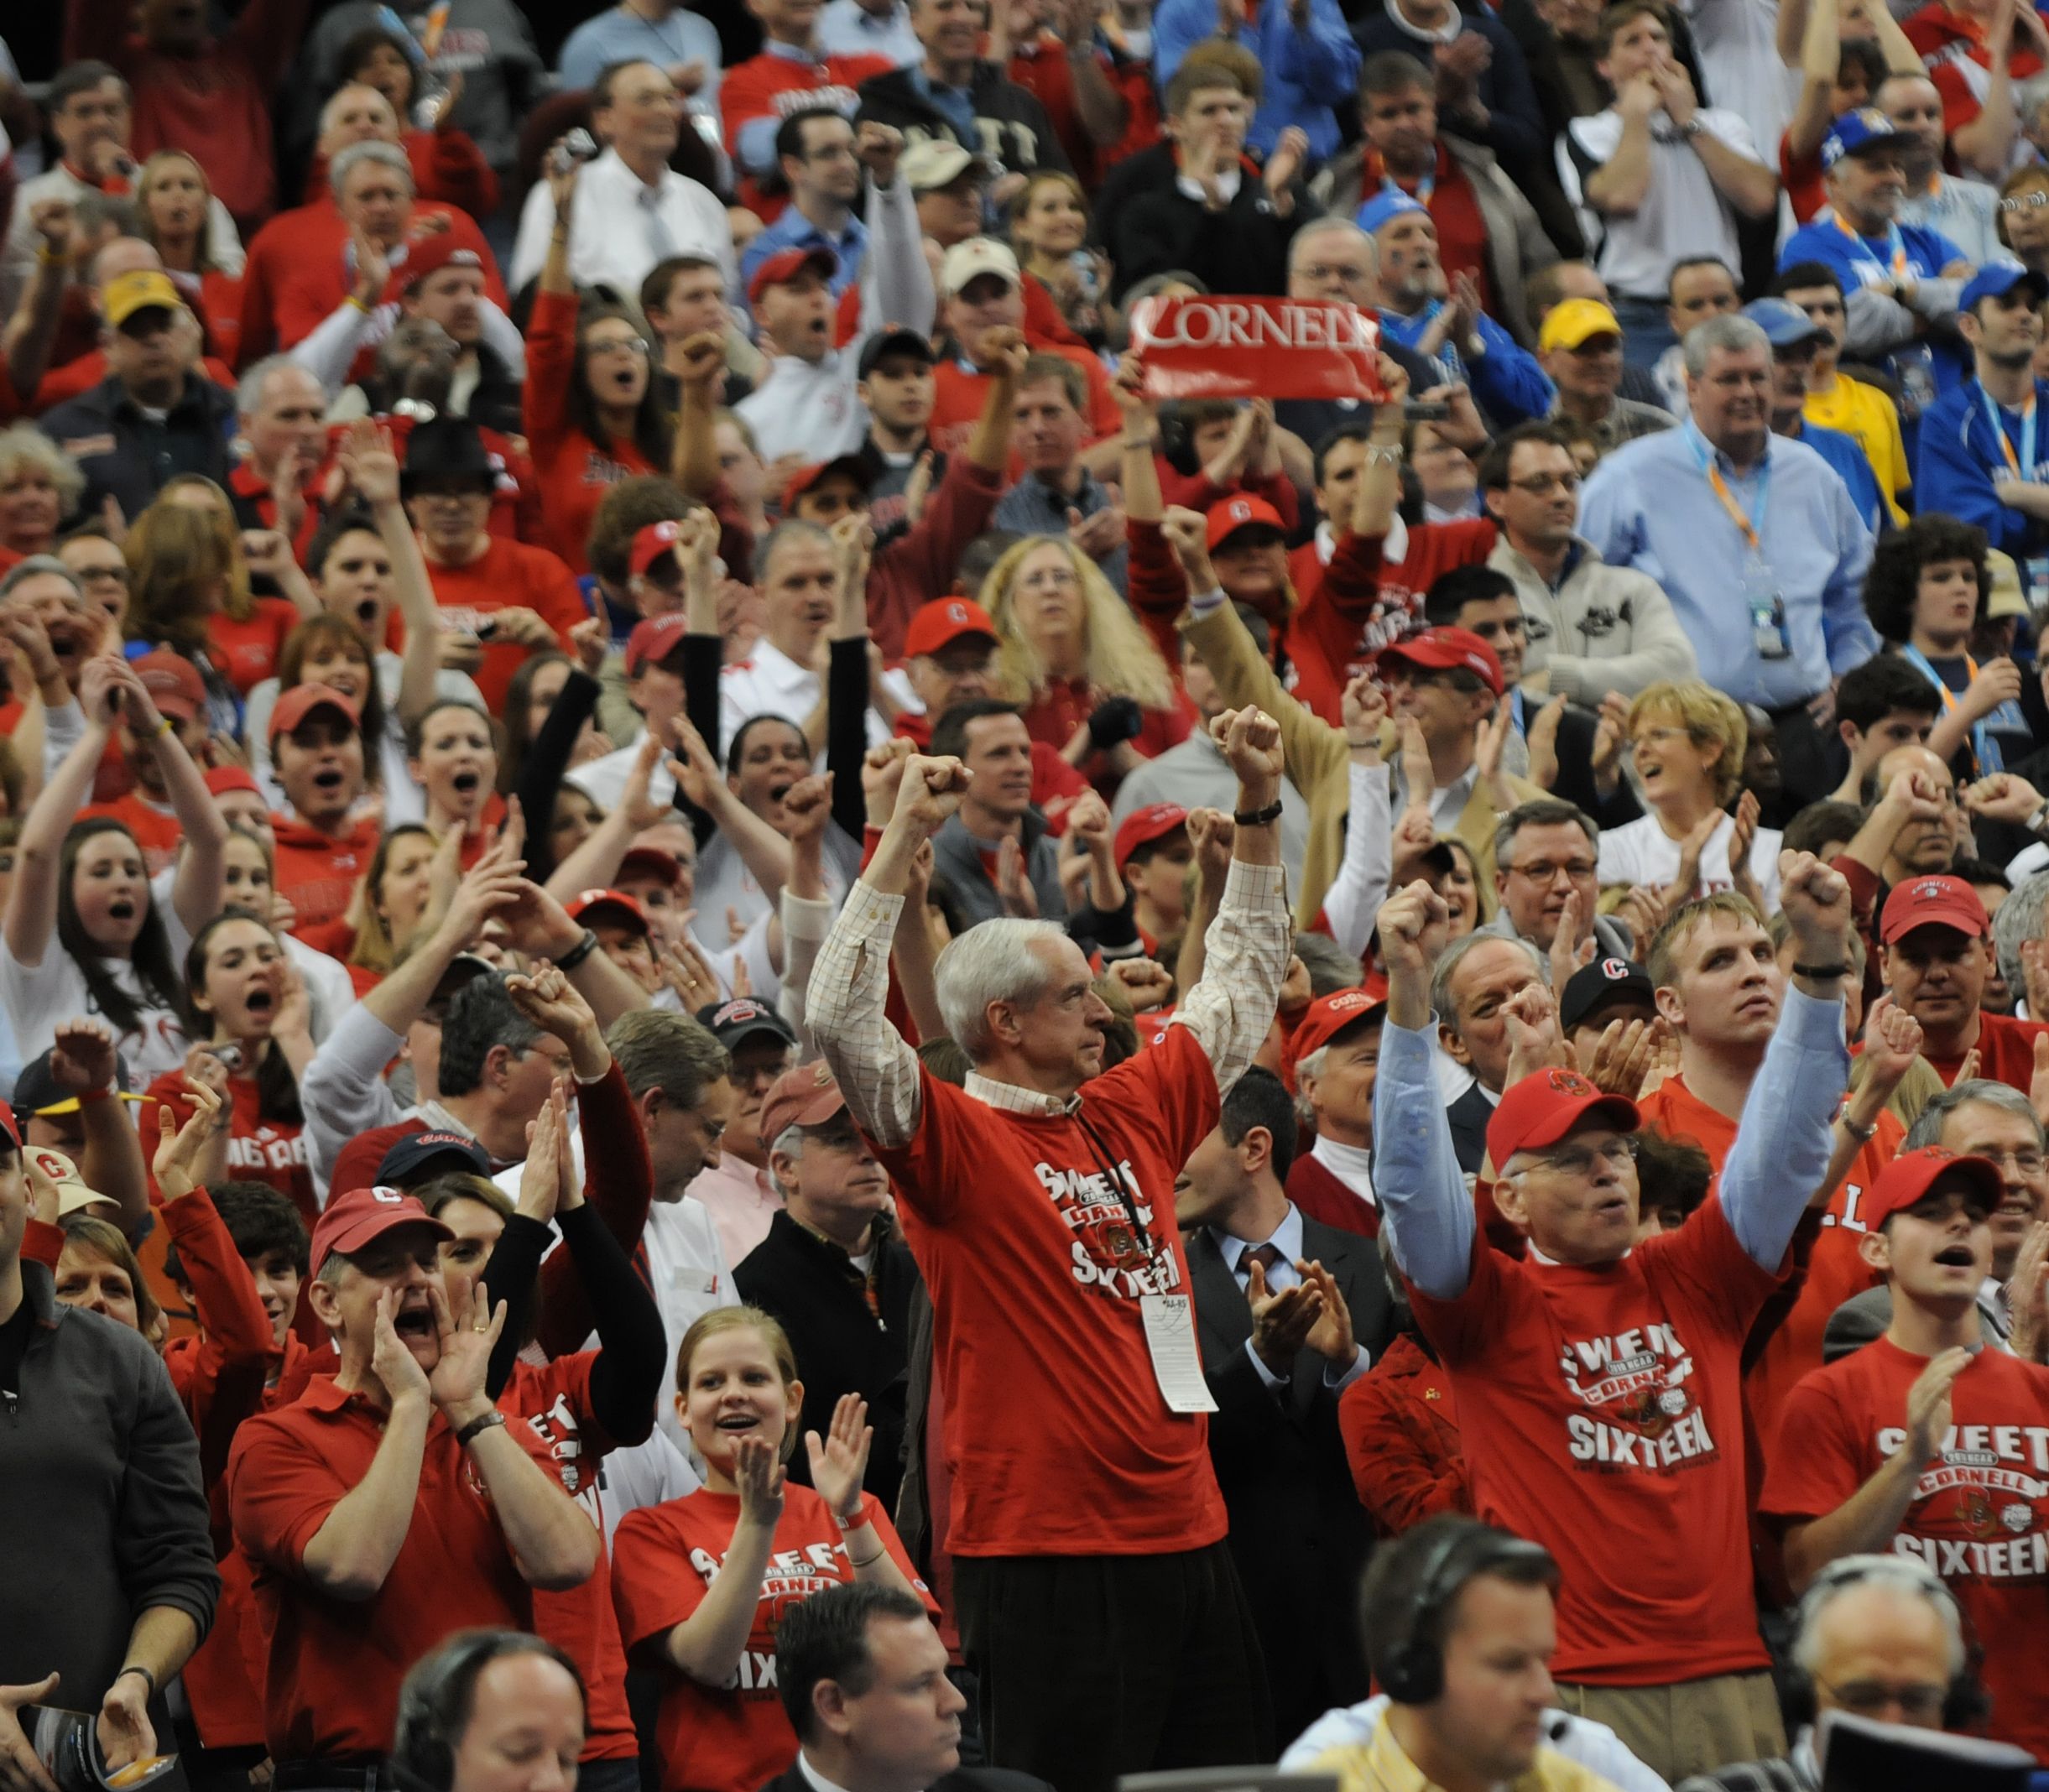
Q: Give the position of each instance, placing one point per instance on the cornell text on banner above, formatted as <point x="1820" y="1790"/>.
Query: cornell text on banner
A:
<point x="1221" y="346"/>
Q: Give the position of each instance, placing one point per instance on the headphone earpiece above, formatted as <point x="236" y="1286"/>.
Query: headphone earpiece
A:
<point x="1413" y="1671"/>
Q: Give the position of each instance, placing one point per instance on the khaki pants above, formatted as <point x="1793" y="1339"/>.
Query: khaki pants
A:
<point x="1691" y="1727"/>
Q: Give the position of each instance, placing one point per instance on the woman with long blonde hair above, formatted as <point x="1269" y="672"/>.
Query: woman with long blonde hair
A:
<point x="175" y="200"/>
<point x="1070" y="652"/>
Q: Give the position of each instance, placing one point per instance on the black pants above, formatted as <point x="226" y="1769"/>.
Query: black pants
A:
<point x="1092" y="1666"/>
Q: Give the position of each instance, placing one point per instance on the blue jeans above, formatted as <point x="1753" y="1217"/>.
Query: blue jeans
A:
<point x="1646" y="334"/>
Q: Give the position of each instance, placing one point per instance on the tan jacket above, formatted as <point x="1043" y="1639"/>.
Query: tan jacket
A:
<point x="1317" y="757"/>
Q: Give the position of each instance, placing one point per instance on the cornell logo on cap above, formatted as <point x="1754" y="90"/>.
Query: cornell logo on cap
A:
<point x="957" y="613"/>
<point x="1240" y="511"/>
<point x="1614" y="969"/>
<point x="1571" y="1083"/>
<point x="389" y="1197"/>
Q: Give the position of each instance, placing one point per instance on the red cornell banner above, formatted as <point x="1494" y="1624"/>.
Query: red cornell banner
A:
<point x="1223" y="347"/>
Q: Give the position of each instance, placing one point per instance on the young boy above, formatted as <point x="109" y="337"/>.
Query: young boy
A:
<point x="1153" y="853"/>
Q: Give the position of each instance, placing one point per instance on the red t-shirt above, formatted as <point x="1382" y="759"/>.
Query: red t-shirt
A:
<point x="317" y="872"/>
<point x="729" y="1738"/>
<point x="333" y="1666"/>
<point x="1802" y="178"/>
<point x="2005" y="1052"/>
<point x="509" y="574"/>
<point x="248" y="652"/>
<point x="1602" y="1410"/>
<point x="1980" y="1514"/>
<point x="554" y="1398"/>
<point x="1454" y="209"/>
<point x="1040" y="1343"/>
<point x="1952" y="44"/>
<point x="1836" y="1271"/>
<point x="1059" y="708"/>
<point x="258" y="1148"/>
<point x="156" y="830"/>
<point x="771" y="86"/>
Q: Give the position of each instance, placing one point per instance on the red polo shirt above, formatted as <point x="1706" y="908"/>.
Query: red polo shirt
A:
<point x="317" y="872"/>
<point x="333" y="1666"/>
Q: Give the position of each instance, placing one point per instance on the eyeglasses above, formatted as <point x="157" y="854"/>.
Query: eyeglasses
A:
<point x="1920" y="1703"/>
<point x="1543" y="484"/>
<point x="1578" y="1161"/>
<point x="1660" y="736"/>
<point x="616" y="346"/>
<point x="1543" y="870"/>
<point x="1354" y="276"/>
<point x="104" y="575"/>
<point x="2024" y="201"/>
<point x="1049" y="579"/>
<point x="2025" y="1163"/>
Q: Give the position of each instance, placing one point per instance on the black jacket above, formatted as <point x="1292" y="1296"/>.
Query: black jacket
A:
<point x="961" y="1780"/>
<point x="1014" y="128"/>
<point x="1158" y="228"/>
<point x="1298" y="1534"/>
<point x="122" y="451"/>
<point x="105" y="1516"/>
<point x="493" y="405"/>
<point x="811" y="1285"/>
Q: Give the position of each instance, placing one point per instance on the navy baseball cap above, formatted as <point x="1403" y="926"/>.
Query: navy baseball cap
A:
<point x="1997" y="280"/>
<point x="418" y="1155"/>
<point x="1784" y="325"/>
<point x="1862" y="132"/>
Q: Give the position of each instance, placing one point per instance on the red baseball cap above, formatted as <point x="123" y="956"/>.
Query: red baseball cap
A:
<point x="1908" y="1177"/>
<point x="1327" y="1017"/>
<point x="352" y="1220"/>
<point x="939" y="625"/>
<point x="650" y="862"/>
<point x="173" y="682"/>
<point x="429" y="254"/>
<point x="1232" y="514"/>
<point x="804" y="1097"/>
<point x="806" y="477"/>
<point x="1144" y="825"/>
<point x="222" y="778"/>
<point x="654" y="637"/>
<point x="1932" y="902"/>
<point x="786" y="264"/>
<point x="1441" y="649"/>
<point x="650" y="544"/>
<point x="586" y="900"/>
<point x="302" y="699"/>
<point x="1543" y="1107"/>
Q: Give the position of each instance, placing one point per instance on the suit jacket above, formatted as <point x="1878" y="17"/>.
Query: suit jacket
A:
<point x="961" y="1780"/>
<point x="1864" y="1317"/>
<point x="1298" y="1534"/>
<point x="1469" y="1115"/>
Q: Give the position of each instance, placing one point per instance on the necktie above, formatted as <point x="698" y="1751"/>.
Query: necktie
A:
<point x="1266" y="1256"/>
<point x="660" y="244"/>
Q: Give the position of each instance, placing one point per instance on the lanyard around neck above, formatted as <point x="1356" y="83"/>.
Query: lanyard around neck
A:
<point x="2023" y="465"/>
<point x="1895" y="245"/>
<point x="1752" y="529"/>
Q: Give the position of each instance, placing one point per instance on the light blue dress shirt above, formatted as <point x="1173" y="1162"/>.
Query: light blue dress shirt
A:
<point x="1650" y="505"/>
<point x="792" y="230"/>
<point x="1287" y="1239"/>
<point x="846" y="27"/>
<point x="621" y="36"/>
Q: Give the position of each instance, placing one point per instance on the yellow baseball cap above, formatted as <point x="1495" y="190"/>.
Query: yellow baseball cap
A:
<point x="127" y="294"/>
<point x="1572" y="322"/>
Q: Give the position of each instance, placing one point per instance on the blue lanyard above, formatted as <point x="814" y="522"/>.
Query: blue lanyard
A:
<point x="2024" y="468"/>
<point x="1988" y="758"/>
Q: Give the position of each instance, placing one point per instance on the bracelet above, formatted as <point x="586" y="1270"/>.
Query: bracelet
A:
<point x="358" y="303"/>
<point x="1821" y="973"/>
<point x="577" y="953"/>
<point x="99" y="1094"/>
<point x="867" y="1561"/>
<point x="1863" y="1134"/>
<point x="477" y="1425"/>
<point x="2035" y="822"/>
<point x="1379" y="454"/>
<point x="149" y="1679"/>
<point x="857" y="1520"/>
<point x="1258" y="817"/>
<point x="164" y="724"/>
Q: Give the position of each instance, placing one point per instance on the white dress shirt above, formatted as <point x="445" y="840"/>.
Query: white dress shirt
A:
<point x="769" y="682"/>
<point x="1287" y="1239"/>
<point x="620" y="227"/>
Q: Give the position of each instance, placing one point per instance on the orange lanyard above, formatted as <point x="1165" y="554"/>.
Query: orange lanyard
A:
<point x="1897" y="243"/>
<point x="1728" y="502"/>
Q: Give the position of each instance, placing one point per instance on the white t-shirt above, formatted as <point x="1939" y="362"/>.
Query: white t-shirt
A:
<point x="40" y="997"/>
<point x="1683" y="213"/>
<point x="1643" y="852"/>
<point x="332" y="990"/>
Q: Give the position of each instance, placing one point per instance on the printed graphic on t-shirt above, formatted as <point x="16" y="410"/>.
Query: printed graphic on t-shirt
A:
<point x="1645" y="1416"/>
<point x="791" y="1577"/>
<point x="1109" y="1254"/>
<point x="557" y="1428"/>
<point x="1977" y="1510"/>
<point x="267" y="1149"/>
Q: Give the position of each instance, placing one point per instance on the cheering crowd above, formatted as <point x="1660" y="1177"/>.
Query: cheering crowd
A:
<point x="764" y="1033"/>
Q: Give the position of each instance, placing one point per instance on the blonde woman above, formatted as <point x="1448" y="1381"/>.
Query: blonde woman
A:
<point x="1688" y="741"/>
<point x="39" y="487"/>
<point x="175" y="200"/>
<point x="1071" y="654"/>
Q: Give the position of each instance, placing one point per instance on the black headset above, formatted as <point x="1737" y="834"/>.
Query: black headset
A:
<point x="435" y="1700"/>
<point x="1965" y="1705"/>
<point x="1413" y="1672"/>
